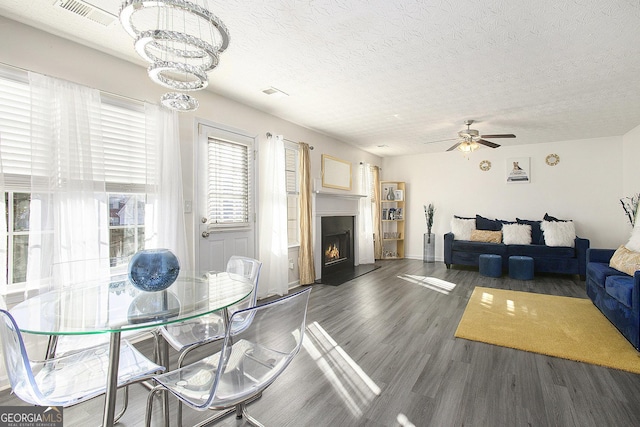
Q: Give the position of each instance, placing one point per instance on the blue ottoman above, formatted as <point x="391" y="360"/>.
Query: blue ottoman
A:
<point x="521" y="267"/>
<point x="490" y="265"/>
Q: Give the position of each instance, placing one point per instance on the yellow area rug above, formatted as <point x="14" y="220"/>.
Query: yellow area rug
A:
<point x="569" y="328"/>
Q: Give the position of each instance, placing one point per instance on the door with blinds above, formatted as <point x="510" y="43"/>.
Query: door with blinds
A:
<point x="225" y="197"/>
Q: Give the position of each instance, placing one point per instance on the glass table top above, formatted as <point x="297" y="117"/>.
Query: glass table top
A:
<point x="116" y="305"/>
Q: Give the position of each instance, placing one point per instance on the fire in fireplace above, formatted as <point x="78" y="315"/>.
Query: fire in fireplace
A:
<point x="338" y="248"/>
<point x="337" y="243"/>
<point x="332" y="254"/>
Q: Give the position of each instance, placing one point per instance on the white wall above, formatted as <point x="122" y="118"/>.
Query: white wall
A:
<point x="585" y="186"/>
<point x="34" y="50"/>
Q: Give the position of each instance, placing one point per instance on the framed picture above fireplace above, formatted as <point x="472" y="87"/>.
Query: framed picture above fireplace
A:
<point x="336" y="173"/>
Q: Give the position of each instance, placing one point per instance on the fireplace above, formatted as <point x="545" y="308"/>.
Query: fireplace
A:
<point x="337" y="244"/>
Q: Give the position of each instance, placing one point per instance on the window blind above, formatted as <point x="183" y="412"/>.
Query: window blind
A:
<point x="126" y="152"/>
<point x="228" y="183"/>
<point x="291" y="168"/>
<point x="15" y="129"/>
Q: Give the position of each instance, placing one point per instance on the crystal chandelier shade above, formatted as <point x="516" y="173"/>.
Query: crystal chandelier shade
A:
<point x="181" y="40"/>
<point x="179" y="101"/>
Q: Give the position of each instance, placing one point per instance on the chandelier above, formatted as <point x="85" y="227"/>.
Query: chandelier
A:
<point x="181" y="40"/>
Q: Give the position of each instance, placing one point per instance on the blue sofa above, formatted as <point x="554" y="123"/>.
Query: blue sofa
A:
<point x="546" y="259"/>
<point x="615" y="293"/>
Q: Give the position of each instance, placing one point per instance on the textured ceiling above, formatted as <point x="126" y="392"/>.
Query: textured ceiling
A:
<point x="399" y="74"/>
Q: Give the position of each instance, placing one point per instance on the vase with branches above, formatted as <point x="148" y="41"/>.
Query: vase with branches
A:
<point x="428" y="215"/>
<point x="630" y="206"/>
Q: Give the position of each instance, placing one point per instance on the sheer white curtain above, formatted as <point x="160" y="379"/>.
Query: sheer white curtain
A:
<point x="365" y="220"/>
<point x="164" y="218"/>
<point x="69" y="208"/>
<point x="272" y="214"/>
<point x="68" y="212"/>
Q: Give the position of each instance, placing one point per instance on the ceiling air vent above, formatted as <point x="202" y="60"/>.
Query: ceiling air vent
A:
<point x="86" y="10"/>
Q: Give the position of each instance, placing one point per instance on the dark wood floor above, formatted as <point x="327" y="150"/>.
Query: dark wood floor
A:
<point x="382" y="345"/>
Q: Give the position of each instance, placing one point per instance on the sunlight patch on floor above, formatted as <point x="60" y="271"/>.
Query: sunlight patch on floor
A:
<point x="403" y="421"/>
<point x="355" y="387"/>
<point x="486" y="300"/>
<point x="432" y="283"/>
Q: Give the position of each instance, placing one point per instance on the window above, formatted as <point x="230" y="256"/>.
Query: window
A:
<point x="291" y="169"/>
<point x="17" y="234"/>
<point x="228" y="183"/>
<point x="126" y="158"/>
<point x="126" y="226"/>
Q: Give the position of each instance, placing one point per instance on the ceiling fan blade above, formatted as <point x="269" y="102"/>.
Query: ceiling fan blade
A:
<point x="454" y="146"/>
<point x="488" y="143"/>
<point x="505" y="135"/>
<point x="440" y="140"/>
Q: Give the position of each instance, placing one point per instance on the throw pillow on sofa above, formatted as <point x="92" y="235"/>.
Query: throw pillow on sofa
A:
<point x="559" y="233"/>
<point x="550" y="218"/>
<point x="536" y="233"/>
<point x="487" y="236"/>
<point x="483" y="223"/>
<point x="625" y="260"/>
<point x="462" y="228"/>
<point x="516" y="234"/>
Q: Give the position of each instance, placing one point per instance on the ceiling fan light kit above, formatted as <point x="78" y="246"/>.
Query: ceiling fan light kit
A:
<point x="180" y="39"/>
<point x="470" y="139"/>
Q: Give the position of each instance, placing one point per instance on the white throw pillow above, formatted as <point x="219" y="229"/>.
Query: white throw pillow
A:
<point x="516" y="234"/>
<point x="559" y="233"/>
<point x="634" y="240"/>
<point x="462" y="228"/>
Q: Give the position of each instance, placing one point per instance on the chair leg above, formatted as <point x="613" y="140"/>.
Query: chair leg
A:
<point x="184" y="353"/>
<point x="150" y="398"/>
<point x="125" y="404"/>
<point x="241" y="412"/>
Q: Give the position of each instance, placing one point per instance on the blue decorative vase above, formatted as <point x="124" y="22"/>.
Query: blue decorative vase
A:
<point x="153" y="270"/>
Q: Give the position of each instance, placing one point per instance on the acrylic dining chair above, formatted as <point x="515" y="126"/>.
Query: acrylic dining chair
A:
<point x="252" y="357"/>
<point x="80" y="273"/>
<point x="189" y="335"/>
<point x="70" y="379"/>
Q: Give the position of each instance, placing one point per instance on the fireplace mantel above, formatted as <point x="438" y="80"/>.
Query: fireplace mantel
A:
<point x="341" y="195"/>
<point x="332" y="204"/>
<point x="327" y="203"/>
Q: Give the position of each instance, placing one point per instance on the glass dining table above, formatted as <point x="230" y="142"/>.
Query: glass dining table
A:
<point x="112" y="306"/>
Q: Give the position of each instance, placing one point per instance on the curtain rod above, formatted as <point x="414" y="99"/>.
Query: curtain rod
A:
<point x="288" y="140"/>
<point x="362" y="163"/>
<point x="54" y="77"/>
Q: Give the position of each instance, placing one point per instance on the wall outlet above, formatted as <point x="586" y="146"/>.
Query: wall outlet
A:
<point x="290" y="264"/>
<point x="187" y="206"/>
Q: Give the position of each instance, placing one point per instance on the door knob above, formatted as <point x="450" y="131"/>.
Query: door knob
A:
<point x="205" y="234"/>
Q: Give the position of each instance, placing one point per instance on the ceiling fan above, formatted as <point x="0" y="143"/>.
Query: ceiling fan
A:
<point x="468" y="139"/>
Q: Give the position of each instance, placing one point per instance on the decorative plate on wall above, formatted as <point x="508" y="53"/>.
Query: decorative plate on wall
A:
<point x="552" y="159"/>
<point x="485" y="165"/>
